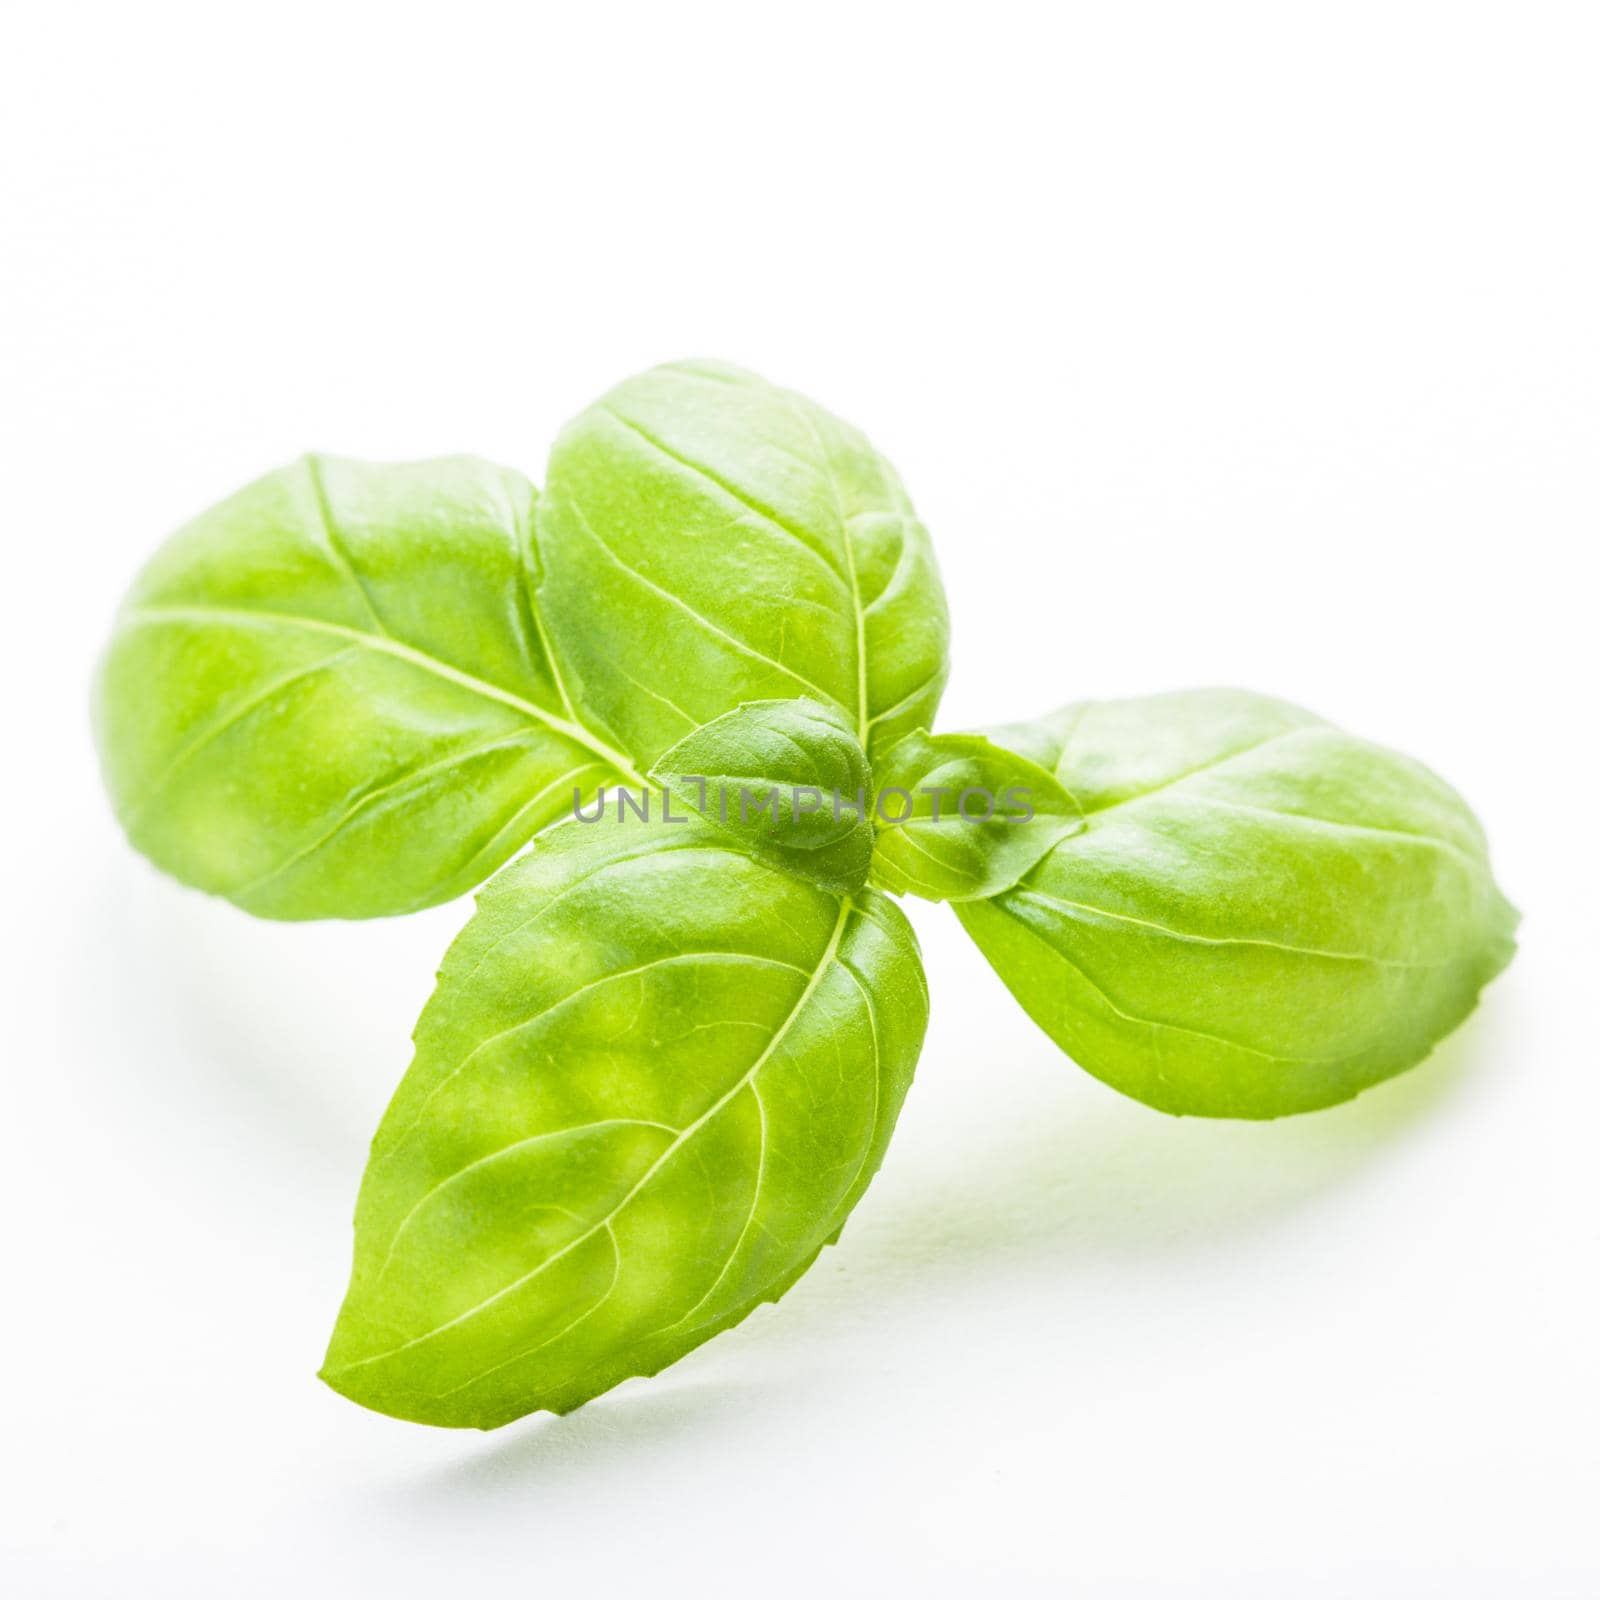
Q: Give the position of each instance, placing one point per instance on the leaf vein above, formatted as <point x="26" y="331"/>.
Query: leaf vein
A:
<point x="829" y="955"/>
<point x="1187" y="937"/>
<point x="699" y="618"/>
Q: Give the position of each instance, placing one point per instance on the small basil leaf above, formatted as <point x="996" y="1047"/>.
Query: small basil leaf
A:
<point x="960" y="818"/>
<point x="787" y="779"/>
<point x="1263" y="915"/>
<point x="748" y="546"/>
<point x="654" y="1079"/>
<point x="328" y="696"/>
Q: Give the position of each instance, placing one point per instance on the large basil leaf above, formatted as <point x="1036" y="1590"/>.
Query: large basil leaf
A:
<point x="786" y="779"/>
<point x="709" y="539"/>
<point x="961" y="818"/>
<point x="1263" y="914"/>
<point x="655" y="1077"/>
<point x="328" y="696"/>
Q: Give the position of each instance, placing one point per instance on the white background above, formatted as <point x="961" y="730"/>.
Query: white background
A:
<point x="1216" y="346"/>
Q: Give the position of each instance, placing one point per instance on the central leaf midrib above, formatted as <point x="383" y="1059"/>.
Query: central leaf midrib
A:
<point x="830" y="952"/>
<point x="797" y="408"/>
<point x="383" y="644"/>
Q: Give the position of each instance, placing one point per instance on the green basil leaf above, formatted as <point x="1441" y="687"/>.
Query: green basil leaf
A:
<point x="328" y="695"/>
<point x="655" y="1077"/>
<point x="960" y="818"/>
<point x="708" y="539"/>
<point x="787" y="780"/>
<point x="1263" y="915"/>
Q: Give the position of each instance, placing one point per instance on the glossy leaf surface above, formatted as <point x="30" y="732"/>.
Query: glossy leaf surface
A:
<point x="654" y="1079"/>
<point x="328" y="696"/>
<point x="1263" y="914"/>
<point x="709" y="539"/>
